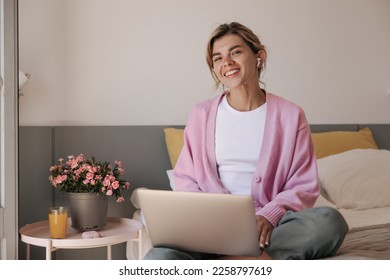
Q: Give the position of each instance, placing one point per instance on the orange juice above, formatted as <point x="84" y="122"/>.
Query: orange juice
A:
<point x="58" y="218"/>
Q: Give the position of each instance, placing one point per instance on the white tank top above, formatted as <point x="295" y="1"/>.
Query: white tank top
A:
<point x="238" y="140"/>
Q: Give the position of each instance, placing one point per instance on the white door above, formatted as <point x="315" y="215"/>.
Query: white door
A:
<point x="8" y="130"/>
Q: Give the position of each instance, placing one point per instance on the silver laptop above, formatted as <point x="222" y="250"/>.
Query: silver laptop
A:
<point x="222" y="224"/>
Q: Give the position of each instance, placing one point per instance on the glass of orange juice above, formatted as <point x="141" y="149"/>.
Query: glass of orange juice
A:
<point x="58" y="218"/>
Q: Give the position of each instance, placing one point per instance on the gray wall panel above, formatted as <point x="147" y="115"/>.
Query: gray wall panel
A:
<point x="332" y="127"/>
<point x="35" y="191"/>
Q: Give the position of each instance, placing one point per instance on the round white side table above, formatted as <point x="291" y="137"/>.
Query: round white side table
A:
<point x="117" y="230"/>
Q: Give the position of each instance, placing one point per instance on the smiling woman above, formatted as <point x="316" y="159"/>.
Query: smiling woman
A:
<point x="247" y="141"/>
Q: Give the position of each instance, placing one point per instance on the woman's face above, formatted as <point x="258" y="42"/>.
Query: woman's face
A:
<point x="234" y="63"/>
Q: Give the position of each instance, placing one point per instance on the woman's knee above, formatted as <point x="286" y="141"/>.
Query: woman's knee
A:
<point x="328" y="232"/>
<point x="328" y="229"/>
<point x="308" y="234"/>
<point x="323" y="220"/>
<point x="333" y="223"/>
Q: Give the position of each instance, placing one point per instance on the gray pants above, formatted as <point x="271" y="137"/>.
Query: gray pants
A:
<point x="312" y="233"/>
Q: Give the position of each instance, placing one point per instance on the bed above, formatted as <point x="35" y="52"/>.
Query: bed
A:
<point x="354" y="173"/>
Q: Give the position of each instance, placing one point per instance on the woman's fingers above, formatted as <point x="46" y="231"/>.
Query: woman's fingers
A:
<point x="265" y="229"/>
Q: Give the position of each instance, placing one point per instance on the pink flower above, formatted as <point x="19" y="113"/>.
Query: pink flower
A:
<point x="80" y="158"/>
<point x="109" y="192"/>
<point x="60" y="178"/>
<point x="106" y="183"/>
<point x="83" y="167"/>
<point x="92" y="169"/>
<point x="73" y="164"/>
<point x="89" y="176"/>
<point x="120" y="199"/>
<point x="93" y="182"/>
<point x="115" y="185"/>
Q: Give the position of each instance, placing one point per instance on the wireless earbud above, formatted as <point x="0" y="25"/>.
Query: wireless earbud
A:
<point x="258" y="62"/>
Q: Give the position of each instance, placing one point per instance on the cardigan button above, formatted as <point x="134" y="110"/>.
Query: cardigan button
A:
<point x="256" y="203"/>
<point x="257" y="179"/>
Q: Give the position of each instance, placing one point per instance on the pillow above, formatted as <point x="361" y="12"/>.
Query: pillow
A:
<point x="174" y="140"/>
<point x="356" y="179"/>
<point x="334" y="142"/>
<point x="170" y="177"/>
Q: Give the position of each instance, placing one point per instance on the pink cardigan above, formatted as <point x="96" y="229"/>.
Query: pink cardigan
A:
<point x="286" y="175"/>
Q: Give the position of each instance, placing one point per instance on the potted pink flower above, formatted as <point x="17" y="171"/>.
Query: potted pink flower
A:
<point x="88" y="183"/>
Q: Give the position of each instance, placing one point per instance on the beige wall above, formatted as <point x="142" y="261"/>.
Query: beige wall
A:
<point x="118" y="62"/>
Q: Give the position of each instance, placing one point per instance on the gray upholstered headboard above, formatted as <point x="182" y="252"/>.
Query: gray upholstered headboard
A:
<point x="141" y="149"/>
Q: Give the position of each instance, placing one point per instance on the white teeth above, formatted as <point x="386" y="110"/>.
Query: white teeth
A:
<point x="231" y="72"/>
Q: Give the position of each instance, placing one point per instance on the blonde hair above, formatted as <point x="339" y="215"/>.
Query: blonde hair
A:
<point x="244" y="33"/>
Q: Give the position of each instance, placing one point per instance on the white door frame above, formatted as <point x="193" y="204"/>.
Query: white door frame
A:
<point x="9" y="127"/>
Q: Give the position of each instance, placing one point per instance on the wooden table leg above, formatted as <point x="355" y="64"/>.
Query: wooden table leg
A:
<point x="27" y="251"/>
<point x="109" y="253"/>
<point x="48" y="249"/>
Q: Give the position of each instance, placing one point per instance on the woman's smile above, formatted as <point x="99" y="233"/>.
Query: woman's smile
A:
<point x="232" y="72"/>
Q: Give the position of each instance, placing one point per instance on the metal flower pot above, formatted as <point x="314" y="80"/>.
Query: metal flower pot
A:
<point x="88" y="211"/>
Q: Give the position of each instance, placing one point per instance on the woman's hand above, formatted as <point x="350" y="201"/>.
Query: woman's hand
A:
<point x="265" y="229"/>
